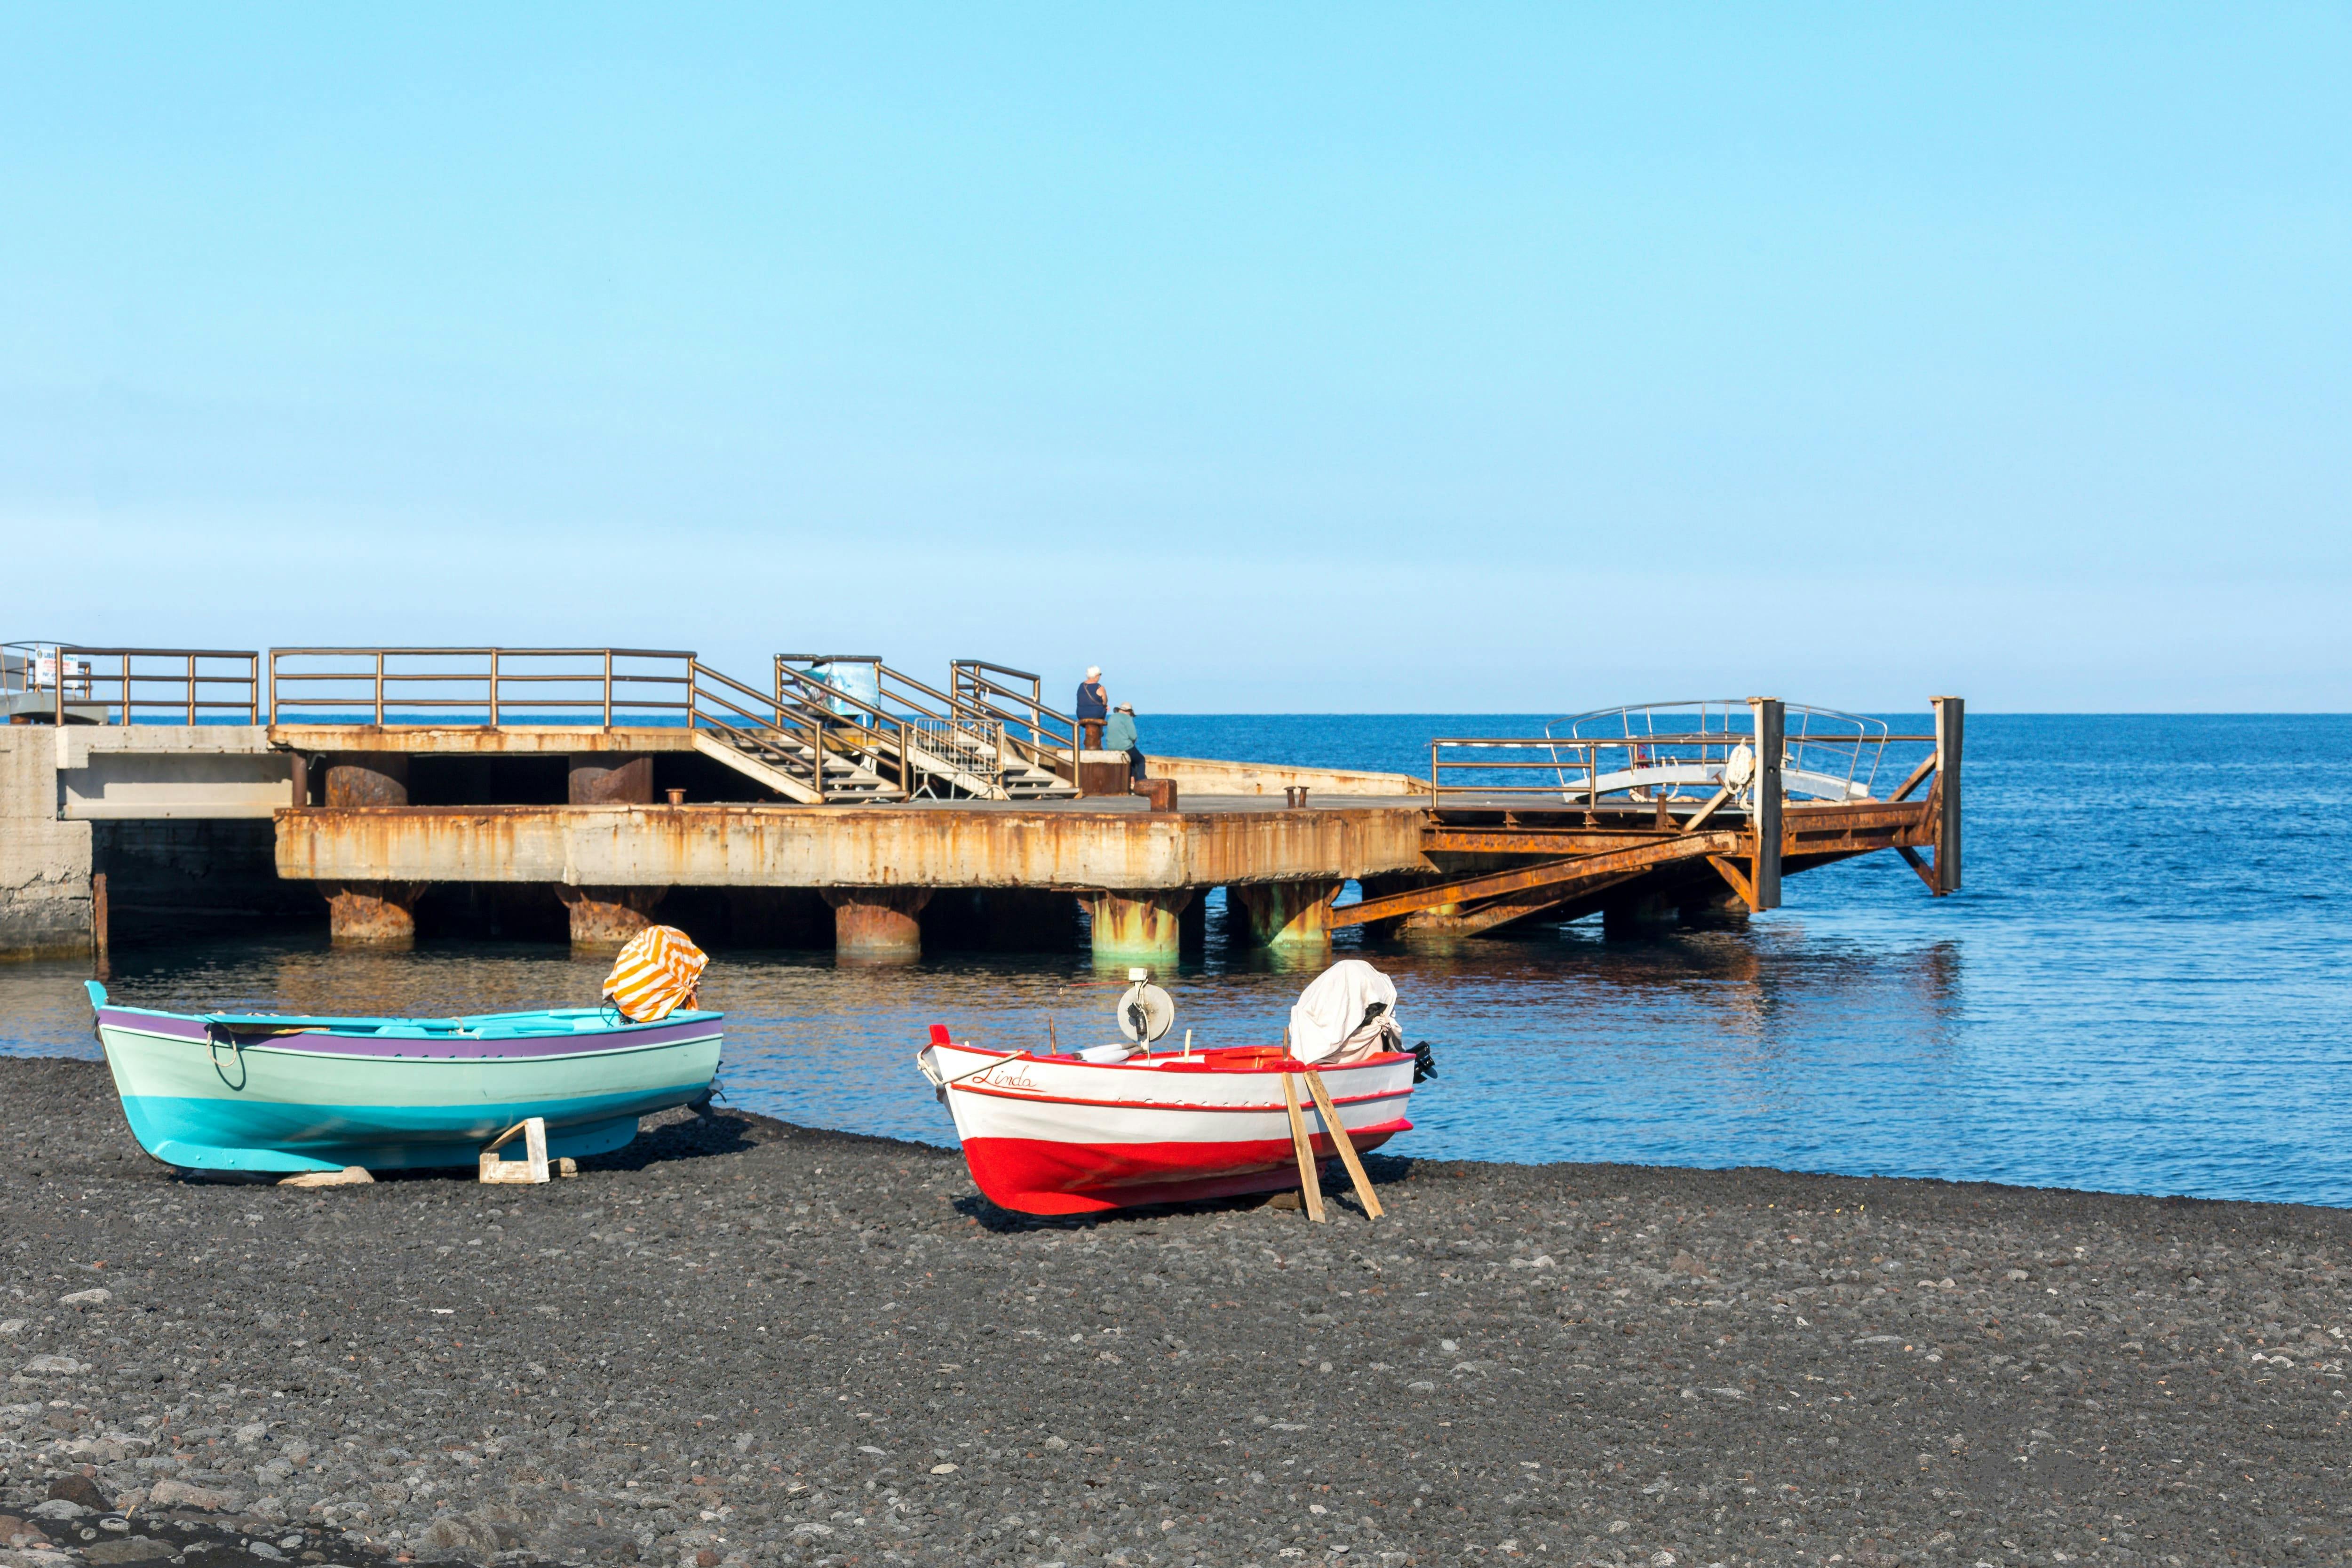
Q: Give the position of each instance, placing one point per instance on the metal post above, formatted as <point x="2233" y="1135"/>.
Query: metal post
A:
<point x="253" y="688"/>
<point x="494" y="688"/>
<point x="608" y="688"/>
<point x="379" y="688"/>
<point x="1771" y="724"/>
<point x="191" y="687"/>
<point x="273" y="684"/>
<point x="1949" y="714"/>
<point x="100" y="925"/>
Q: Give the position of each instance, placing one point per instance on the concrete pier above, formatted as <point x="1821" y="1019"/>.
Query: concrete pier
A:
<point x="790" y="819"/>
<point x="45" y="864"/>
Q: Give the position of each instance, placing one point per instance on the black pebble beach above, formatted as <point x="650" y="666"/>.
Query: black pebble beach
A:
<point x="740" y="1341"/>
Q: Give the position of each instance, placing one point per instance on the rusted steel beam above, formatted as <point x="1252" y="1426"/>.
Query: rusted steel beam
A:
<point x="1524" y="906"/>
<point x="1926" y="872"/>
<point x="1545" y="874"/>
<point x="1731" y="873"/>
<point x="1912" y="782"/>
<point x="1557" y="841"/>
<point x="1861" y="814"/>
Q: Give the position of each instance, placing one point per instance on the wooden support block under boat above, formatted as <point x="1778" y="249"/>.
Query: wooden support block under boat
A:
<point x="1310" y="1181"/>
<point x="535" y="1167"/>
<point x="1337" y="1133"/>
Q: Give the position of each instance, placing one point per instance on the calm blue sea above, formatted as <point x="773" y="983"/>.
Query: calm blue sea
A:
<point x="2147" y="985"/>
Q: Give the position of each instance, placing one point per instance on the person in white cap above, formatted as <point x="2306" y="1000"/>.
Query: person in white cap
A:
<point x="1094" y="707"/>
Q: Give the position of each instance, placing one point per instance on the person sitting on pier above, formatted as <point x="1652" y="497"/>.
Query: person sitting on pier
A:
<point x="1094" y="706"/>
<point x="1118" y="735"/>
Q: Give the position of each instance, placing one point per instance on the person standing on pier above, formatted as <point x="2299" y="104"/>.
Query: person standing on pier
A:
<point x="1118" y="735"/>
<point x="1094" y="706"/>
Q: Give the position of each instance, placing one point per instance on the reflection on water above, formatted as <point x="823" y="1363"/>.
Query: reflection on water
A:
<point x="2129" y="997"/>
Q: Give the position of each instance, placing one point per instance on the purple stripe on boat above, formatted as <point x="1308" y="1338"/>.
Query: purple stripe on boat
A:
<point x="441" y="1047"/>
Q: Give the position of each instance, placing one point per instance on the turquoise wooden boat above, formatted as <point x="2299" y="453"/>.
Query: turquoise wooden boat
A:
<point x="232" y="1091"/>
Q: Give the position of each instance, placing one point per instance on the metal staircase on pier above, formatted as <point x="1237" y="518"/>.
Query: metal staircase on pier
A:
<point x="925" y="740"/>
<point x="789" y="747"/>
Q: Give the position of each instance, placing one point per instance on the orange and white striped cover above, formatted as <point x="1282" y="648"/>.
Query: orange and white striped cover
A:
<point x="659" y="970"/>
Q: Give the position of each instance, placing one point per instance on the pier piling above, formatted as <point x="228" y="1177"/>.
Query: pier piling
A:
<point x="372" y="914"/>
<point x="1296" y="915"/>
<point x="605" y="917"/>
<point x="878" y="925"/>
<point x="1139" y="926"/>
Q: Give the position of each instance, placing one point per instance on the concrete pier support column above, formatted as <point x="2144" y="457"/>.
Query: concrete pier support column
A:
<point x="367" y="778"/>
<point x="1287" y="914"/>
<point x="372" y="914"/>
<point x="612" y="778"/>
<point x="1147" y="926"/>
<point x="607" y="918"/>
<point x="878" y="925"/>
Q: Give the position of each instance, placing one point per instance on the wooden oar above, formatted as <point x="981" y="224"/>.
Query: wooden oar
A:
<point x="1347" y="1145"/>
<point x="1310" y="1184"/>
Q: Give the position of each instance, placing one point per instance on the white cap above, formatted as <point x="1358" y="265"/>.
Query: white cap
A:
<point x="1092" y="670"/>
<point x="1139" y="974"/>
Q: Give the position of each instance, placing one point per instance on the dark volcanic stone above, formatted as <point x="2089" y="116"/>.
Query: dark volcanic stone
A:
<point x="777" y="1345"/>
<point x="74" y="1487"/>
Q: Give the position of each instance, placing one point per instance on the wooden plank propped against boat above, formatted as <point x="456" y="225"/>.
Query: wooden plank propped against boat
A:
<point x="1345" y="1144"/>
<point x="1310" y="1183"/>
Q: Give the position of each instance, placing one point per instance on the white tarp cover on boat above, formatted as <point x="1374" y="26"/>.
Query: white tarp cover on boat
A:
<point x="1335" y="1019"/>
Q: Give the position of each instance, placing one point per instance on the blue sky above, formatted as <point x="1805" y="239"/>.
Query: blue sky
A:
<point x="1294" y="358"/>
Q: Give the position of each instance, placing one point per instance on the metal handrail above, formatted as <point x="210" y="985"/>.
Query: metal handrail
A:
<point x="970" y="679"/>
<point x="823" y="717"/>
<point x="189" y="689"/>
<point x="370" y="678"/>
<point x="1644" y="761"/>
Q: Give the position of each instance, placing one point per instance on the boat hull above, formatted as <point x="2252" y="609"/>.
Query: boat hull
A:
<point x="202" y="1100"/>
<point x="1054" y="1136"/>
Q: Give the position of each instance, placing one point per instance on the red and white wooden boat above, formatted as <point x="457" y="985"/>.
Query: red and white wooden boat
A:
<point x="1054" y="1134"/>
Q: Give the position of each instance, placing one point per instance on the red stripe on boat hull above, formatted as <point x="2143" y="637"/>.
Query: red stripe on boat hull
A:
<point x="1035" y="1176"/>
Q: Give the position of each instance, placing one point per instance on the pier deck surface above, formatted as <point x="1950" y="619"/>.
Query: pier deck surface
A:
<point x="780" y="1345"/>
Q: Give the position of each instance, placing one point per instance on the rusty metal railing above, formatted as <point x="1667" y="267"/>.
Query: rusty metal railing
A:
<point x="1651" y="754"/>
<point x="936" y="748"/>
<point x="120" y="685"/>
<point x="1042" y="735"/>
<point x="494" y="685"/>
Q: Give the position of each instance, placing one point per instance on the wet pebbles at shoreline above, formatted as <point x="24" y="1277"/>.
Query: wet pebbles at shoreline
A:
<point x="742" y="1342"/>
